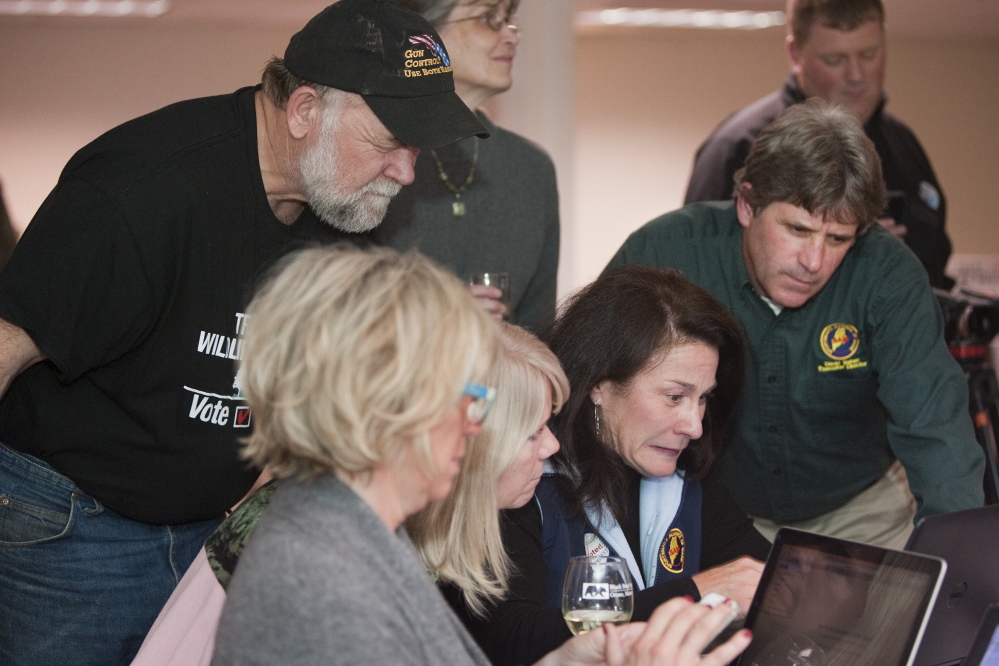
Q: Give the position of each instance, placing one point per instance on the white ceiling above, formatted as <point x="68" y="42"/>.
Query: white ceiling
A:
<point x="948" y="18"/>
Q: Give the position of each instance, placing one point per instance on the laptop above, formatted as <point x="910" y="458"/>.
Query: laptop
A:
<point x="969" y="542"/>
<point x="824" y="601"/>
<point x="985" y="648"/>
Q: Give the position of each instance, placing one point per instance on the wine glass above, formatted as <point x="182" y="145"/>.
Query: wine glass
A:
<point x="596" y="590"/>
<point x="500" y="280"/>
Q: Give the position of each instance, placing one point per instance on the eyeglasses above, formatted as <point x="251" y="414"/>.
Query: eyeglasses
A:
<point x="495" y="19"/>
<point x="483" y="398"/>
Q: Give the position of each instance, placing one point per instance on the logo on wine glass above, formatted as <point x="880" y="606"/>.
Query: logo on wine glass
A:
<point x="596" y="591"/>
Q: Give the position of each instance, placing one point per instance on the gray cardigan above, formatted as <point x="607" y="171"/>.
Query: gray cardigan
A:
<point x="511" y="222"/>
<point x="323" y="581"/>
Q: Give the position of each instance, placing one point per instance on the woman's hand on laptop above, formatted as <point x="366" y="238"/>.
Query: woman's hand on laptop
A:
<point x="736" y="580"/>
<point x="675" y="635"/>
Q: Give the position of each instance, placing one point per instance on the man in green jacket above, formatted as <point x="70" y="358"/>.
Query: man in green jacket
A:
<point x="851" y="398"/>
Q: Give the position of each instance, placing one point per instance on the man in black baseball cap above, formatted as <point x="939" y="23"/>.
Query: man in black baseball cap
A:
<point x="121" y="315"/>
<point x="394" y="60"/>
<point x="367" y="69"/>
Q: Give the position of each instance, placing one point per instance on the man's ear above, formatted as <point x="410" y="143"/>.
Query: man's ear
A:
<point x="791" y="47"/>
<point x="742" y="208"/>
<point x="302" y="111"/>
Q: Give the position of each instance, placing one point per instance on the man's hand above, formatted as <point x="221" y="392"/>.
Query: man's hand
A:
<point x="736" y="580"/>
<point x="488" y="299"/>
<point x="897" y="230"/>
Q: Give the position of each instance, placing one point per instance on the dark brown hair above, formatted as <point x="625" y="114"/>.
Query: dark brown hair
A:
<point x="613" y="329"/>
<point x="817" y="157"/>
<point x="837" y="14"/>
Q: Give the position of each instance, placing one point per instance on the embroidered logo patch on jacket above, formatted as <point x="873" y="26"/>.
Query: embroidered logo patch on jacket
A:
<point x="840" y="342"/>
<point x="673" y="551"/>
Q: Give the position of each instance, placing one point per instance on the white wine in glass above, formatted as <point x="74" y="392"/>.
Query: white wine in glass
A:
<point x="596" y="591"/>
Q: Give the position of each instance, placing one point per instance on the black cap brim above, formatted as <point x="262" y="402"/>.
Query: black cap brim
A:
<point x="428" y="121"/>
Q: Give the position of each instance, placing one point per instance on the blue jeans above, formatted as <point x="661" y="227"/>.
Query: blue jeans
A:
<point x="79" y="584"/>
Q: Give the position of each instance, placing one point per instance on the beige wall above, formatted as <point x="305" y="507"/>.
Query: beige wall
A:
<point x="62" y="87"/>
<point x="647" y="98"/>
<point x="644" y="100"/>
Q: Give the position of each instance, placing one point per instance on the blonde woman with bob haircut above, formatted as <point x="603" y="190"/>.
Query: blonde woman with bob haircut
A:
<point x="351" y="356"/>
<point x="459" y="538"/>
<point x="362" y="368"/>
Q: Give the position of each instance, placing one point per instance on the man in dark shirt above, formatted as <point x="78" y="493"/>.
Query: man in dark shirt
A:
<point x="851" y="397"/>
<point x="121" y="313"/>
<point x="837" y="53"/>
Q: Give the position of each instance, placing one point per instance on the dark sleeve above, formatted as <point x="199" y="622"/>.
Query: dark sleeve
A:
<point x="727" y="532"/>
<point x="537" y="307"/>
<point x="522" y="628"/>
<point x="7" y="236"/>
<point x="79" y="282"/>
<point x="924" y="393"/>
<point x="714" y="169"/>
<point x="907" y="169"/>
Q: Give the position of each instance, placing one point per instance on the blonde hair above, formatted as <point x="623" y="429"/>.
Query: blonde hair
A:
<point x="459" y="537"/>
<point x="351" y="354"/>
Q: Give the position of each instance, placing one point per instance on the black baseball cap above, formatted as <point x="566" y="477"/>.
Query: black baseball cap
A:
<point x="392" y="58"/>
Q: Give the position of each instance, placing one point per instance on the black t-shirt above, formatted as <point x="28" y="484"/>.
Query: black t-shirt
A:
<point x="132" y="279"/>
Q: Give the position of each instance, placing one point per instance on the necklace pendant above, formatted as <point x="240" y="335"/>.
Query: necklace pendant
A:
<point x="458" y="208"/>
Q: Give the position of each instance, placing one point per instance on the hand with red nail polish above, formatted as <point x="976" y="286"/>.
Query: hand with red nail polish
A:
<point x="675" y="635"/>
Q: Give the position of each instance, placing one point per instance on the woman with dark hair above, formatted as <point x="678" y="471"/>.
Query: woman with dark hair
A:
<point x="655" y="365"/>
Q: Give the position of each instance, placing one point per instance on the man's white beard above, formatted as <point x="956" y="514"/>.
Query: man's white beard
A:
<point x="354" y="213"/>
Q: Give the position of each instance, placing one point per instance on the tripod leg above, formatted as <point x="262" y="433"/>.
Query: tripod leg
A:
<point x="985" y="414"/>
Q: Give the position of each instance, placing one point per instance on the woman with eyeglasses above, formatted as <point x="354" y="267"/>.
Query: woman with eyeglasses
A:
<point x="483" y="204"/>
<point x="365" y="372"/>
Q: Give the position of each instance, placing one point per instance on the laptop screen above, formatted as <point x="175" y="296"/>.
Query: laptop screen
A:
<point x="825" y="601"/>
<point x="985" y="650"/>
<point x="968" y="540"/>
<point x="991" y="656"/>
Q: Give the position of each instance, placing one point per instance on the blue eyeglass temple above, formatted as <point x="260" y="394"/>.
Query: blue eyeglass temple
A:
<point x="484" y="398"/>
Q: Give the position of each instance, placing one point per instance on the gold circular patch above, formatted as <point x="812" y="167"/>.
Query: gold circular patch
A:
<point x="840" y="341"/>
<point x="673" y="551"/>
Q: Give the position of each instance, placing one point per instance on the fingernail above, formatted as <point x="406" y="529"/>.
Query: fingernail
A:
<point x="688" y="597"/>
<point x="728" y="602"/>
<point x="748" y="633"/>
